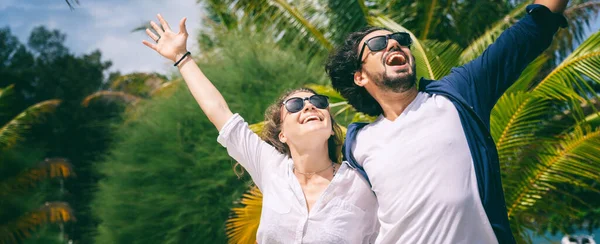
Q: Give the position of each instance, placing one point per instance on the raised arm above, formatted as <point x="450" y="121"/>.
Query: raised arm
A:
<point x="173" y="46"/>
<point x="483" y="80"/>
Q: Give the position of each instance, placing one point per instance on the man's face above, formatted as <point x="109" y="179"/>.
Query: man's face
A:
<point x="391" y="69"/>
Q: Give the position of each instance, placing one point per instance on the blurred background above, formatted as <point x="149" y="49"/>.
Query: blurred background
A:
<point x="101" y="142"/>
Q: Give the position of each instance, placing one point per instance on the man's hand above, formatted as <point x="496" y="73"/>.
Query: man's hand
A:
<point x="169" y="44"/>
<point x="556" y="6"/>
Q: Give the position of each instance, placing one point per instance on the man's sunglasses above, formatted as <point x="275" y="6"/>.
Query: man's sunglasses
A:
<point x="295" y="104"/>
<point x="378" y="43"/>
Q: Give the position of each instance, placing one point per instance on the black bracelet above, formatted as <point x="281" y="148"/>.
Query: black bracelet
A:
<point x="181" y="59"/>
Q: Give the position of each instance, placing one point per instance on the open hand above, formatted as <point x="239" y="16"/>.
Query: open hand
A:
<point x="169" y="44"/>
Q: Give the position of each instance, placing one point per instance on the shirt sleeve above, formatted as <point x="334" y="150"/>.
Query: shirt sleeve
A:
<point x="248" y="149"/>
<point x="482" y="81"/>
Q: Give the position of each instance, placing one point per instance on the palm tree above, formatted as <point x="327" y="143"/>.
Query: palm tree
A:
<point x="19" y="228"/>
<point x="545" y="126"/>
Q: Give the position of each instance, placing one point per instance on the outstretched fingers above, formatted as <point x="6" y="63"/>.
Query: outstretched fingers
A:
<point x="157" y="28"/>
<point x="151" y="35"/>
<point x="182" y="28"/>
<point x="149" y="44"/>
<point x="163" y="22"/>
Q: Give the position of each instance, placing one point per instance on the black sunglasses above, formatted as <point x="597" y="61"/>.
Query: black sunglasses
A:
<point x="295" y="104"/>
<point x="378" y="43"/>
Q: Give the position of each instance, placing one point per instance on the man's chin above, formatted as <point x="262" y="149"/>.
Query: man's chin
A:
<point x="399" y="82"/>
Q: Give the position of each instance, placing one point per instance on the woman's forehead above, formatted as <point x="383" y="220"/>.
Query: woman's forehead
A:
<point x="301" y="94"/>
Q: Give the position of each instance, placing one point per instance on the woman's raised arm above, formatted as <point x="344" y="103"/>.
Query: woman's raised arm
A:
<point x="173" y="46"/>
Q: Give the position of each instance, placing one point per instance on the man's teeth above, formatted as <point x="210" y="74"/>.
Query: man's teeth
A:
<point x="396" y="59"/>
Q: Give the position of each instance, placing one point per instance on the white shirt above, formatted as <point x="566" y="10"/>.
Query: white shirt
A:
<point x="344" y="213"/>
<point x="422" y="172"/>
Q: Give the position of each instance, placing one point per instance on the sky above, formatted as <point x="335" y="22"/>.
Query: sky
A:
<point x="105" y="25"/>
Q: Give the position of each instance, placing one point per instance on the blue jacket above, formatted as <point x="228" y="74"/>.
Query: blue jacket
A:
<point x="474" y="89"/>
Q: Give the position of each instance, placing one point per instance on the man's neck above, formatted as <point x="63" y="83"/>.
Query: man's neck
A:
<point x="394" y="103"/>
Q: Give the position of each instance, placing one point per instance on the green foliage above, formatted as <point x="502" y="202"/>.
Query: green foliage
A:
<point x="166" y="179"/>
<point x="45" y="69"/>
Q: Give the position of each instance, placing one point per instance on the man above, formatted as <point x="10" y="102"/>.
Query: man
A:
<point x="429" y="155"/>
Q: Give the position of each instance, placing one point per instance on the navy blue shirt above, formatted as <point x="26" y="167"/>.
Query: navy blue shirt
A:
<point x="474" y="89"/>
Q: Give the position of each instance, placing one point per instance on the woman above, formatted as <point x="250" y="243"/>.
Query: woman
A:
<point x="307" y="196"/>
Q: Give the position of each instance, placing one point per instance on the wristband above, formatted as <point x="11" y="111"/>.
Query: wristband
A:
<point x="181" y="59"/>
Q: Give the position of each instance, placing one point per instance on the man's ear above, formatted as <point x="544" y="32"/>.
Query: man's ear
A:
<point x="360" y="78"/>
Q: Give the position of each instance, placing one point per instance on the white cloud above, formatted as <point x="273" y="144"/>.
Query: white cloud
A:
<point x="104" y="25"/>
<point x="112" y="24"/>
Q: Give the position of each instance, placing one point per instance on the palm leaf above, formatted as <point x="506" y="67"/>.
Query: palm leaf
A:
<point x="442" y="56"/>
<point x="515" y="121"/>
<point x="47" y="169"/>
<point x="71" y="3"/>
<point x="578" y="15"/>
<point x="24" y="227"/>
<point x="573" y="159"/>
<point x="479" y="45"/>
<point x="293" y="22"/>
<point x="243" y="225"/>
<point x="583" y="61"/>
<point x="520" y="114"/>
<point x="525" y="81"/>
<point x="10" y="133"/>
<point x="345" y="17"/>
<point x="165" y="89"/>
<point x="5" y="95"/>
<point x="110" y="96"/>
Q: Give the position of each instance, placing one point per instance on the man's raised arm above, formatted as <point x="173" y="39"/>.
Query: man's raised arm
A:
<point x="483" y="80"/>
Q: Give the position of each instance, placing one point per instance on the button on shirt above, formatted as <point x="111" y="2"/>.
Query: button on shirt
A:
<point x="344" y="213"/>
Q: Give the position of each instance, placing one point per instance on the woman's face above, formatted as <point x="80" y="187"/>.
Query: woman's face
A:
<point x="310" y="124"/>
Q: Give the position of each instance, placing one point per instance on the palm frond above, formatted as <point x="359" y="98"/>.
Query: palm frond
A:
<point x="579" y="16"/>
<point x="428" y="24"/>
<point x="11" y="132"/>
<point x="71" y="3"/>
<point x="166" y="89"/>
<point x="293" y="22"/>
<point x="525" y="81"/>
<point x="110" y="96"/>
<point x="345" y="17"/>
<point x="5" y="95"/>
<point x="47" y="169"/>
<point x="242" y="226"/>
<point x="583" y="61"/>
<point x="479" y="45"/>
<point x="442" y="56"/>
<point x="515" y="121"/>
<point x="24" y="227"/>
<point x="573" y="159"/>
<point x="6" y="92"/>
<point x="517" y="115"/>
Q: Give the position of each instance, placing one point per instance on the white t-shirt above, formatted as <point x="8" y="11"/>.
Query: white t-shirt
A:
<point x="422" y="172"/>
<point x="344" y="213"/>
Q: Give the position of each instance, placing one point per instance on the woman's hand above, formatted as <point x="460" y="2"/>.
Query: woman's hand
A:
<point x="169" y="44"/>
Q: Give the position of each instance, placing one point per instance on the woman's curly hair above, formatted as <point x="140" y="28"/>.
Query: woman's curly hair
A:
<point x="273" y="122"/>
<point x="341" y="66"/>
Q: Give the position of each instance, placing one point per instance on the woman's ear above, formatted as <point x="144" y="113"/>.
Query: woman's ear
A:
<point x="282" y="137"/>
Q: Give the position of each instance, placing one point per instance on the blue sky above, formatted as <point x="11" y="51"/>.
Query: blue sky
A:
<point x="104" y="25"/>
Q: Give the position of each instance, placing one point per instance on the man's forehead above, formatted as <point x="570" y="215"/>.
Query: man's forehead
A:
<point x="376" y="33"/>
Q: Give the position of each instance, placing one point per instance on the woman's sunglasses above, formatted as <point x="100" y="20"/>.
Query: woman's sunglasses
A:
<point x="378" y="43"/>
<point x="295" y="104"/>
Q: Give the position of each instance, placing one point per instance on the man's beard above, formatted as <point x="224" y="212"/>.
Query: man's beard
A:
<point x="394" y="84"/>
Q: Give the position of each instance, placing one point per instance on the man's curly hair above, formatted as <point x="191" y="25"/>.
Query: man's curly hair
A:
<point x="341" y="65"/>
